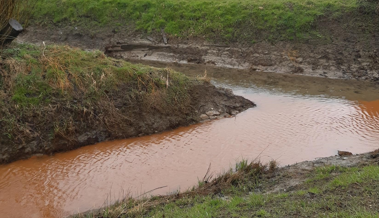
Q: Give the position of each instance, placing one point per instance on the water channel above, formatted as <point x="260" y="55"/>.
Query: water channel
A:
<point x="294" y="121"/>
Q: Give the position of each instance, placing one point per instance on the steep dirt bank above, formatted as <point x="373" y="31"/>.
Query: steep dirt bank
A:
<point x="347" y="48"/>
<point x="57" y="99"/>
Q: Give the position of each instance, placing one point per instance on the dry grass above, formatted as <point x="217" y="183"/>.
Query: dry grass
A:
<point x="205" y="78"/>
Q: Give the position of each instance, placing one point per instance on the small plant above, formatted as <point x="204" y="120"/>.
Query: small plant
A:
<point x="256" y="200"/>
<point x="241" y="165"/>
<point x="262" y="213"/>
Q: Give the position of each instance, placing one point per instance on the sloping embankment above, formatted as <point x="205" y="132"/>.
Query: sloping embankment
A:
<point x="57" y="98"/>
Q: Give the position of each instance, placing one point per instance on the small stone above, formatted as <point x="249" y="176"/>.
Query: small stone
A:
<point x="345" y="158"/>
<point x="212" y="117"/>
<point x="5" y="157"/>
<point x="28" y="150"/>
<point x="228" y="91"/>
<point x="213" y="113"/>
<point x="204" y="117"/>
<point x="375" y="154"/>
<point x="344" y="153"/>
<point x="225" y="198"/>
<point x="234" y="112"/>
<point x="38" y="155"/>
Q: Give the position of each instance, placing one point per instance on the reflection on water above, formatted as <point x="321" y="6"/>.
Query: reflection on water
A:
<point x="287" y="128"/>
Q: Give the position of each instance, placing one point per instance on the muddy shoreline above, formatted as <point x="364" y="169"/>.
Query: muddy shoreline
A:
<point x="343" y="54"/>
<point x="278" y="180"/>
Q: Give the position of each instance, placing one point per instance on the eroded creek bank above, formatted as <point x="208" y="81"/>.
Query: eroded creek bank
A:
<point x="127" y="117"/>
<point x="296" y="119"/>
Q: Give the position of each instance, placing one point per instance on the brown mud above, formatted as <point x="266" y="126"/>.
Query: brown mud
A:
<point x="344" y="50"/>
<point x="127" y="118"/>
<point x="286" y="83"/>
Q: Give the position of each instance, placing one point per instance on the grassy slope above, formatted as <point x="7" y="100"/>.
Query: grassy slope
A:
<point x="33" y="80"/>
<point x="329" y="191"/>
<point x="39" y="73"/>
<point x="226" y="19"/>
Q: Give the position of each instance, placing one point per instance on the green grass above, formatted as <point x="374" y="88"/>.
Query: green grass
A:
<point x="38" y="74"/>
<point x="227" y="19"/>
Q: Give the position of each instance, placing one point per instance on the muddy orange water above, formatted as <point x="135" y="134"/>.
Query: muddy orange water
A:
<point x="286" y="127"/>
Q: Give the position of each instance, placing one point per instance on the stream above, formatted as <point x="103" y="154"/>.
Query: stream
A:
<point x="294" y="121"/>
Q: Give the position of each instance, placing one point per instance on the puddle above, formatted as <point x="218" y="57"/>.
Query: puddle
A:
<point x="289" y="125"/>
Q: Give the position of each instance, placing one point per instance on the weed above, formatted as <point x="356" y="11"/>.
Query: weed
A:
<point x="256" y="200"/>
<point x="262" y="213"/>
<point x="314" y="190"/>
<point x="241" y="165"/>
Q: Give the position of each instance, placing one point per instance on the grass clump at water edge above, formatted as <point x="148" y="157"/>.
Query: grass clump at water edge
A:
<point x="205" y="200"/>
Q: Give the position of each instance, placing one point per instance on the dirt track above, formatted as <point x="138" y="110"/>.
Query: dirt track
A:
<point x="346" y="54"/>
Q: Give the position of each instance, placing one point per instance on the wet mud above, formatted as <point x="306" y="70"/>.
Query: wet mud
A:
<point x="355" y="59"/>
<point x="286" y="83"/>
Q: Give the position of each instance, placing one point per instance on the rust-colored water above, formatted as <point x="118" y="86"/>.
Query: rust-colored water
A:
<point x="288" y="128"/>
